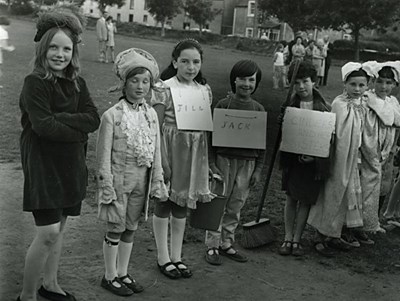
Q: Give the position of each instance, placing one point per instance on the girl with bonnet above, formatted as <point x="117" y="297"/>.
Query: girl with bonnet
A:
<point x="339" y="203"/>
<point x="57" y="116"/>
<point x="129" y="169"/>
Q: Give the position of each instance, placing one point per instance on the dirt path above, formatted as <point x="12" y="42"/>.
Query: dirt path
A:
<point x="266" y="276"/>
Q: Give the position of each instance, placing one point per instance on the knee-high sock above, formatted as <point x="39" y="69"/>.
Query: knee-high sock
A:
<point x="160" y="228"/>
<point x="124" y="254"/>
<point x="177" y="232"/>
<point x="110" y="253"/>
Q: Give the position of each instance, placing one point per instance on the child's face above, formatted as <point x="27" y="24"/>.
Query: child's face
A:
<point x="188" y="65"/>
<point x="59" y="53"/>
<point x="356" y="86"/>
<point x="137" y="87"/>
<point x="383" y="86"/>
<point x="304" y="87"/>
<point x="245" y="85"/>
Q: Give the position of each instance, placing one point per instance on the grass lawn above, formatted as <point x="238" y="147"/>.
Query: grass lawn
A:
<point x="216" y="68"/>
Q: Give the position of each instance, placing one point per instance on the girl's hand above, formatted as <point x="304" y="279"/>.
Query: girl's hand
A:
<point x="214" y="170"/>
<point x="255" y="177"/>
<point x="306" y="159"/>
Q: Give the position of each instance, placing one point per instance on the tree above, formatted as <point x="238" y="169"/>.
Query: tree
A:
<point x="297" y="13"/>
<point x="162" y="10"/>
<point x="104" y="3"/>
<point x="337" y="14"/>
<point x="356" y="15"/>
<point x="201" y="12"/>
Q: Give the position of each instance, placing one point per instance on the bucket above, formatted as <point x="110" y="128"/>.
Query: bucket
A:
<point x="207" y="216"/>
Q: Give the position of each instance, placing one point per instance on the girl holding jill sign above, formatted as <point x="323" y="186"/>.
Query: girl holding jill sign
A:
<point x="302" y="175"/>
<point x="185" y="157"/>
<point x="240" y="168"/>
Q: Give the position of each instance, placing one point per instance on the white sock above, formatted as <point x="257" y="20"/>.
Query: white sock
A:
<point x="110" y="259"/>
<point x="177" y="232"/>
<point x="124" y="254"/>
<point x="160" y="228"/>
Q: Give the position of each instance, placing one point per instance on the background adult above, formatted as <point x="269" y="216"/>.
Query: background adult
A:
<point x="329" y="48"/>
<point x="102" y="36"/>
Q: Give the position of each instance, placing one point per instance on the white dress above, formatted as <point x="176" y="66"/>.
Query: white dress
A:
<point x="110" y="33"/>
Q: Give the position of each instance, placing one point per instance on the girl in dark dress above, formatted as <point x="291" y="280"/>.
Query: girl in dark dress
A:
<point x="57" y="116"/>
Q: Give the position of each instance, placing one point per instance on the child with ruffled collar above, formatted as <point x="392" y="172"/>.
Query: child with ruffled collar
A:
<point x="129" y="169"/>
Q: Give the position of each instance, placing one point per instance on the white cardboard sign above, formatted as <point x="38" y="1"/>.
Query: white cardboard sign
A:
<point x="192" y="109"/>
<point x="307" y="132"/>
<point x="239" y="128"/>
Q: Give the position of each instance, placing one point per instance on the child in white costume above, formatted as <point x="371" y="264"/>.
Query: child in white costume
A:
<point x="383" y="114"/>
<point x="339" y="203"/>
<point x="129" y="168"/>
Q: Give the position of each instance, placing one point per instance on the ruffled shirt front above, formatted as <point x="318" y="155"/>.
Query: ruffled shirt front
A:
<point x="135" y="124"/>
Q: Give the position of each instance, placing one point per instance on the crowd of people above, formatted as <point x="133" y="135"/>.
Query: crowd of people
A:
<point x="318" y="52"/>
<point x="144" y="155"/>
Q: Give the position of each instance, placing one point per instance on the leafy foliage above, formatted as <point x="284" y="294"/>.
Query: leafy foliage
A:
<point x="162" y="10"/>
<point x="201" y="11"/>
<point x="104" y="3"/>
<point x="21" y="7"/>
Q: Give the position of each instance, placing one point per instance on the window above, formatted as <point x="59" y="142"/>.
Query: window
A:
<point x="146" y="7"/>
<point x="249" y="32"/>
<point x="130" y="17"/>
<point x="144" y="18"/>
<point x="91" y="11"/>
<point x="132" y="4"/>
<point x="251" y="8"/>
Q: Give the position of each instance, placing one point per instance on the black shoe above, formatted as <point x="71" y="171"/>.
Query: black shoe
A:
<point x="133" y="285"/>
<point x="338" y="244"/>
<point x="323" y="249"/>
<point x="183" y="269"/>
<point x="172" y="274"/>
<point x="234" y="256"/>
<point x="123" y="290"/>
<point x="54" y="296"/>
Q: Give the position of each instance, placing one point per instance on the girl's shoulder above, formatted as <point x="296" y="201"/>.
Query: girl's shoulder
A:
<point x="114" y="110"/>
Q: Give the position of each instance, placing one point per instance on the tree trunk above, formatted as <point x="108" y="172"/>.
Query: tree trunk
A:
<point x="163" y="28"/>
<point x="356" y="32"/>
<point x="200" y="29"/>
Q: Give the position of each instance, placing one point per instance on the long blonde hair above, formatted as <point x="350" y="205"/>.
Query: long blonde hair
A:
<point x="72" y="71"/>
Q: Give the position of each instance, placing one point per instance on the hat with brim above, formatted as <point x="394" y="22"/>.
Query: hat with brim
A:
<point x="130" y="59"/>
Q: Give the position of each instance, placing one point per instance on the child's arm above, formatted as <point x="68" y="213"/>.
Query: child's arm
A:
<point x="106" y="192"/>
<point x="35" y="98"/>
<point x="275" y="57"/>
<point x="87" y="118"/>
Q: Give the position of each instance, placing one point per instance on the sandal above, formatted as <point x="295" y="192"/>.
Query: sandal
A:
<point x="297" y="249"/>
<point x="323" y="249"/>
<point x="122" y="290"/>
<point x="212" y="256"/>
<point x="133" y="285"/>
<point x="234" y="256"/>
<point x="363" y="238"/>
<point x="285" y="248"/>
<point x="172" y="274"/>
<point x="183" y="269"/>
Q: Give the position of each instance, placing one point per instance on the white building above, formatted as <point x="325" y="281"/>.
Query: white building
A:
<point x="132" y="11"/>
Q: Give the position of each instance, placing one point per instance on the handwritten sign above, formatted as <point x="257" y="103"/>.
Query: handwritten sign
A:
<point x="192" y="109"/>
<point x="238" y="128"/>
<point x="307" y="132"/>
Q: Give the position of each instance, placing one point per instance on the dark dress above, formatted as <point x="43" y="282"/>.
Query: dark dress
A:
<point x="299" y="179"/>
<point x="56" y="120"/>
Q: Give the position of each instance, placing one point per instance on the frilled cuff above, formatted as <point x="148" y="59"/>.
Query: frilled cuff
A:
<point x="159" y="191"/>
<point x="191" y="200"/>
<point x="105" y="190"/>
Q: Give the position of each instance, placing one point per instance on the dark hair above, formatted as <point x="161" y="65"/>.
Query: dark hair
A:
<point x="306" y="69"/>
<point x="310" y="41"/>
<point x="170" y="71"/>
<point x="109" y="18"/>
<point x="245" y="68"/>
<point x="133" y="72"/>
<point x="357" y="73"/>
<point x="386" y="72"/>
<point x="40" y="61"/>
